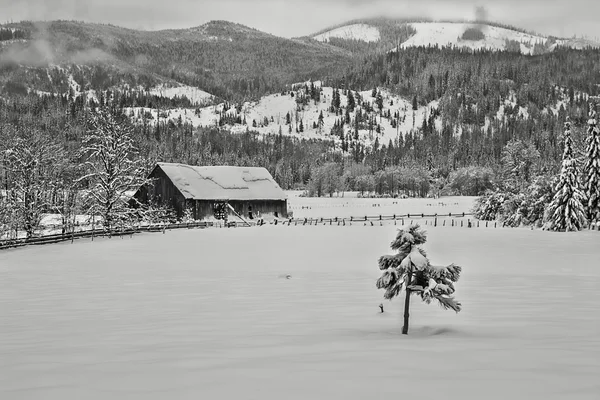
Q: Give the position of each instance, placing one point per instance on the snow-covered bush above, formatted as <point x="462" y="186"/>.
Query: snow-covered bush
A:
<point x="489" y="206"/>
<point x="513" y="211"/>
<point x="517" y="209"/>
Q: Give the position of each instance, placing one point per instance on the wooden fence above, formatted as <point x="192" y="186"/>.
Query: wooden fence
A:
<point x="462" y="220"/>
<point x="92" y="233"/>
<point x="450" y="219"/>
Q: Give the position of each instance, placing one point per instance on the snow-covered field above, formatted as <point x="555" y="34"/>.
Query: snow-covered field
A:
<point x="351" y="206"/>
<point x="208" y="314"/>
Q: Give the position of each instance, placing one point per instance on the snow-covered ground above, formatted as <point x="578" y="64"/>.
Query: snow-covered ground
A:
<point x="195" y="95"/>
<point x="209" y="314"/>
<point x="351" y="206"/>
<point x="362" y="32"/>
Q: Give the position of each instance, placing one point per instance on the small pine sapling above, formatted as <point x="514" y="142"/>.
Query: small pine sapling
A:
<point x="410" y="270"/>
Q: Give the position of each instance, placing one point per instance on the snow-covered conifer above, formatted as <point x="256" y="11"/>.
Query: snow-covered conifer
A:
<point x="410" y="270"/>
<point x="591" y="171"/>
<point x="566" y="211"/>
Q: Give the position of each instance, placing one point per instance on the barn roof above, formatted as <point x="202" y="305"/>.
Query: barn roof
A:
<point x="223" y="182"/>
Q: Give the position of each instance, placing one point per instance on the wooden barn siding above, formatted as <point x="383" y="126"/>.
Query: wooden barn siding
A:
<point x="204" y="208"/>
<point x="163" y="191"/>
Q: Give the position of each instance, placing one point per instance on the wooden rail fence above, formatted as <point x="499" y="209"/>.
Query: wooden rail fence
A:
<point x="92" y="233"/>
<point x="434" y="220"/>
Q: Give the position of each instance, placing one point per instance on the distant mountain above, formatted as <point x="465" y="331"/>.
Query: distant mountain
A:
<point x="224" y="59"/>
<point x="389" y="34"/>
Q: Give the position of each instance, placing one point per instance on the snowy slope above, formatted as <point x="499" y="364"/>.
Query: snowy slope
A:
<point x="195" y="95"/>
<point x="364" y="32"/>
<point x="449" y="34"/>
<point x="275" y="107"/>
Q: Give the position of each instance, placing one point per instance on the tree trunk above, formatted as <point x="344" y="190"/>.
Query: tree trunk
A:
<point x="407" y="302"/>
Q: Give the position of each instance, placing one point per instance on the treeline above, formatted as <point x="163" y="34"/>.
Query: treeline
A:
<point x="13" y="34"/>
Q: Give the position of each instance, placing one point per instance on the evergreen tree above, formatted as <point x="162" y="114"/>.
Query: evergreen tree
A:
<point x="591" y="171"/>
<point x="335" y="101"/>
<point x="320" y="121"/>
<point x="379" y="102"/>
<point x="566" y="211"/>
<point x="410" y="270"/>
<point x="351" y="103"/>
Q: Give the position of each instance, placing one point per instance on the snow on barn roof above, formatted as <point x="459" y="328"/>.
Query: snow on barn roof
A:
<point x="223" y="182"/>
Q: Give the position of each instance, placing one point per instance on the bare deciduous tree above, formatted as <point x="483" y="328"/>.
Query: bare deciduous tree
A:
<point x="112" y="165"/>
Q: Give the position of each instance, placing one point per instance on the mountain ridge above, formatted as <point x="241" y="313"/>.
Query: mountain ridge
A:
<point x="473" y="35"/>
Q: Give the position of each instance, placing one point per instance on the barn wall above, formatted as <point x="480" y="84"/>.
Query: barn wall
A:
<point x="162" y="191"/>
<point x="204" y="208"/>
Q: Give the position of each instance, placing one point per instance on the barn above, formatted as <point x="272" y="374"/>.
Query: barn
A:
<point x="200" y="189"/>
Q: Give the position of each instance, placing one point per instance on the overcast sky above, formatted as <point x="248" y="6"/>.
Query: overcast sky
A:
<point x="289" y="18"/>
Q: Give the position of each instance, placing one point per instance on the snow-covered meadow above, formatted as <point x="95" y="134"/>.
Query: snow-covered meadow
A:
<point x="349" y="204"/>
<point x="210" y="314"/>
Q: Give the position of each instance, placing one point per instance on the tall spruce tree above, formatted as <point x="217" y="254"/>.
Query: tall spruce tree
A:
<point x="410" y="270"/>
<point x="591" y="171"/>
<point x="566" y="211"/>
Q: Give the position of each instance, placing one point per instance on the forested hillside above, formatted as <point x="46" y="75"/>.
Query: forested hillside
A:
<point x="227" y="60"/>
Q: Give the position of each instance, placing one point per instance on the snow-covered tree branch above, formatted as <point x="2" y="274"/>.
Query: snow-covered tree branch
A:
<point x="31" y="163"/>
<point x="112" y="167"/>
